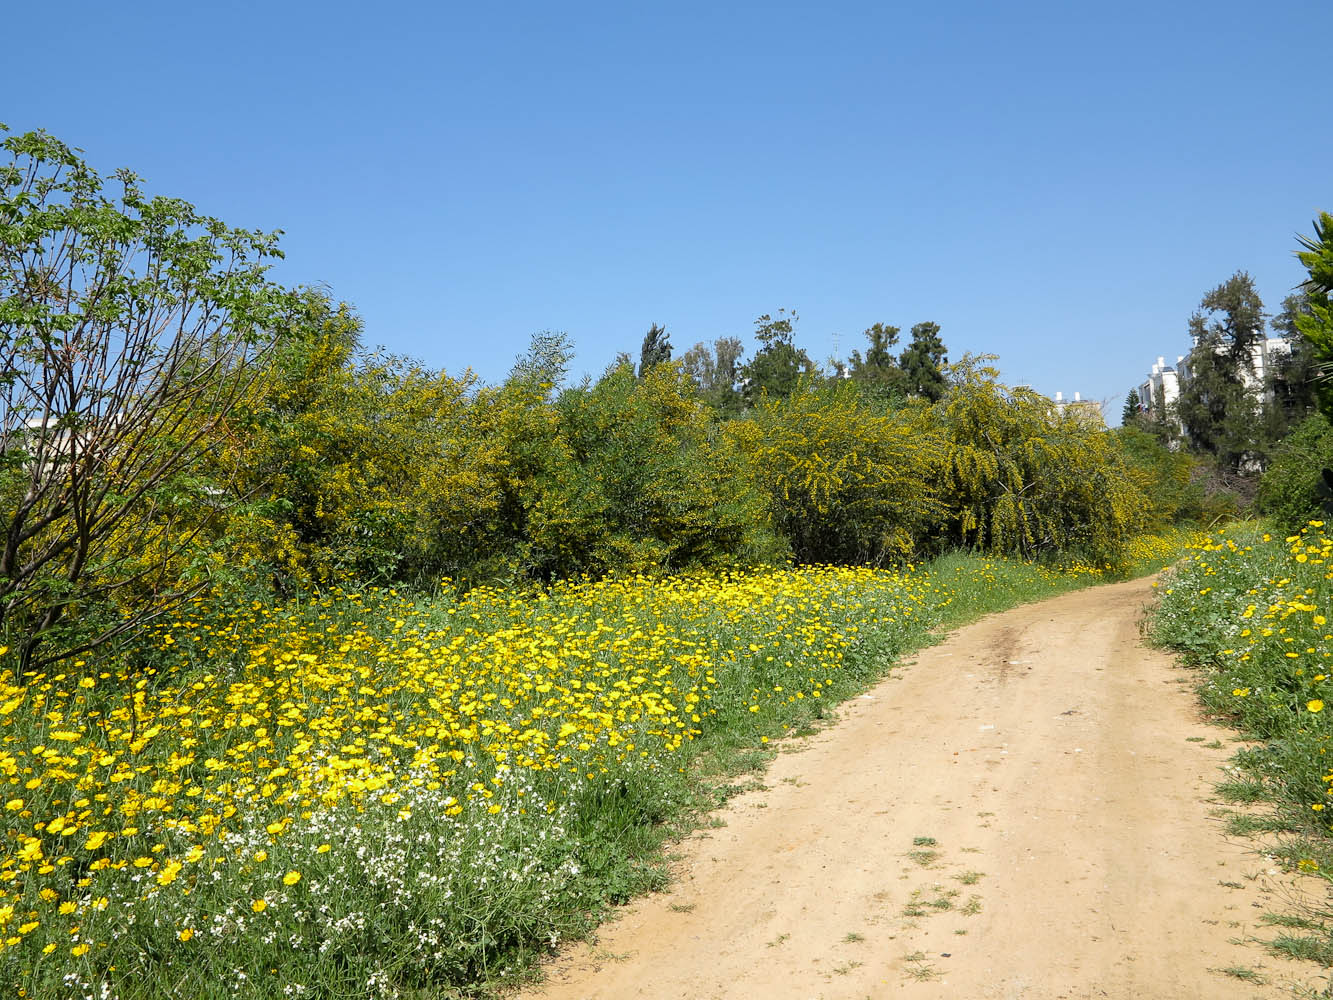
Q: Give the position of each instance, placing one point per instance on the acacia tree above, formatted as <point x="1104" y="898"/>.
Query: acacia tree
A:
<point x="128" y="328"/>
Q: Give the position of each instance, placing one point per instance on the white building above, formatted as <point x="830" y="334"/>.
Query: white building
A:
<point x="1162" y="387"/>
<point x="1087" y="410"/>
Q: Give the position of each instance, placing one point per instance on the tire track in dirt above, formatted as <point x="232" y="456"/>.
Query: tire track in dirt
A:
<point x="1016" y="814"/>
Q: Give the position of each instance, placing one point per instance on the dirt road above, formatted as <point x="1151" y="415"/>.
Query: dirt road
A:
<point x="1021" y="813"/>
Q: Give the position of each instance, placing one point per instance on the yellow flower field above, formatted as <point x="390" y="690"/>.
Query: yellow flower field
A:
<point x="362" y="774"/>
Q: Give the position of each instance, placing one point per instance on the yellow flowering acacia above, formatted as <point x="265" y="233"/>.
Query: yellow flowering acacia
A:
<point x="1022" y="479"/>
<point x="845" y="483"/>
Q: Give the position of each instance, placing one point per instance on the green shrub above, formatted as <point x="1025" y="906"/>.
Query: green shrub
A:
<point x="844" y="483"/>
<point x="1290" y="488"/>
<point x="1022" y="479"/>
<point x="638" y="480"/>
<point x="1166" y="478"/>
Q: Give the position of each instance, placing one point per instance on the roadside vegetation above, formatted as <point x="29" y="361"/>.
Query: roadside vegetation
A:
<point x="1252" y="611"/>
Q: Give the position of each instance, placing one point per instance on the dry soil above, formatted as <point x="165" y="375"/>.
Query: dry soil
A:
<point x="1026" y="811"/>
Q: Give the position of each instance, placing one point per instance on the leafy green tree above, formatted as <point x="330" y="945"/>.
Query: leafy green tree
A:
<point x="715" y="372"/>
<point x="129" y="328"/>
<point x="1163" y="420"/>
<point x="544" y="365"/>
<point x="1219" y="402"/>
<point x="638" y="482"/>
<point x="1294" y="306"/>
<point x="656" y="349"/>
<point x="878" y="371"/>
<point x="1293" y="488"/>
<point x="1133" y="408"/>
<point x="778" y="365"/>
<point x="365" y="467"/>
<point x="1164" y="475"/>
<point x="923" y="363"/>
<point x="1290" y="381"/>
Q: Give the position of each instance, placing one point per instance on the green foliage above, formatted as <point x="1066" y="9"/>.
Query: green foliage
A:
<point x="1166" y="477"/>
<point x="1218" y="407"/>
<point x="1133" y="408"/>
<point x="1293" y="376"/>
<point x="878" y="372"/>
<point x="656" y="349"/>
<point x="129" y="326"/>
<point x="1292" y="489"/>
<point x="370" y="467"/>
<point x="844" y="484"/>
<point x="638" y="481"/>
<point x="923" y="363"/>
<point x="1021" y="478"/>
<point x="1316" y="324"/>
<point x="715" y="372"/>
<point x="778" y="366"/>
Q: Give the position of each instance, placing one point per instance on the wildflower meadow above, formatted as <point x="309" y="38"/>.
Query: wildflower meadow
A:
<point x="376" y="794"/>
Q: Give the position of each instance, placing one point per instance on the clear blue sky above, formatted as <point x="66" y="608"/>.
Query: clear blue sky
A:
<point x="1058" y="183"/>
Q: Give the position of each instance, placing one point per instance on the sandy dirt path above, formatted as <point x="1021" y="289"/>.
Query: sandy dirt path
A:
<point x="1019" y="813"/>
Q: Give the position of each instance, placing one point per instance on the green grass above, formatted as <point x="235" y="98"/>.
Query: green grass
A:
<point x="1249" y="790"/>
<point x="1243" y="973"/>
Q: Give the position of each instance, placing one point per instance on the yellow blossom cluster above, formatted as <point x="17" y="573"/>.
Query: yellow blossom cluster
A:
<point x="259" y="719"/>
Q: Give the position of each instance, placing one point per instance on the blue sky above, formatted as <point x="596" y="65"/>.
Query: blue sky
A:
<point x="1055" y="183"/>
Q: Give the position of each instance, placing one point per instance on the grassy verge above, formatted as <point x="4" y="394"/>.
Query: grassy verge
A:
<point x="1252" y="611"/>
<point x="371" y="795"/>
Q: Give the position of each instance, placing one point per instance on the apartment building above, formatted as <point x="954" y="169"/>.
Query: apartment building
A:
<point x="1161" y="389"/>
<point x="1088" y="411"/>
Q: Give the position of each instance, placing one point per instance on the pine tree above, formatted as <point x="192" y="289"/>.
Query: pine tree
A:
<point x="1133" y="407"/>
<point x="656" y="349"/>
<point x="923" y="362"/>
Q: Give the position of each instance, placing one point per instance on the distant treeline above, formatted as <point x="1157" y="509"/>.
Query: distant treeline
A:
<point x="339" y="464"/>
